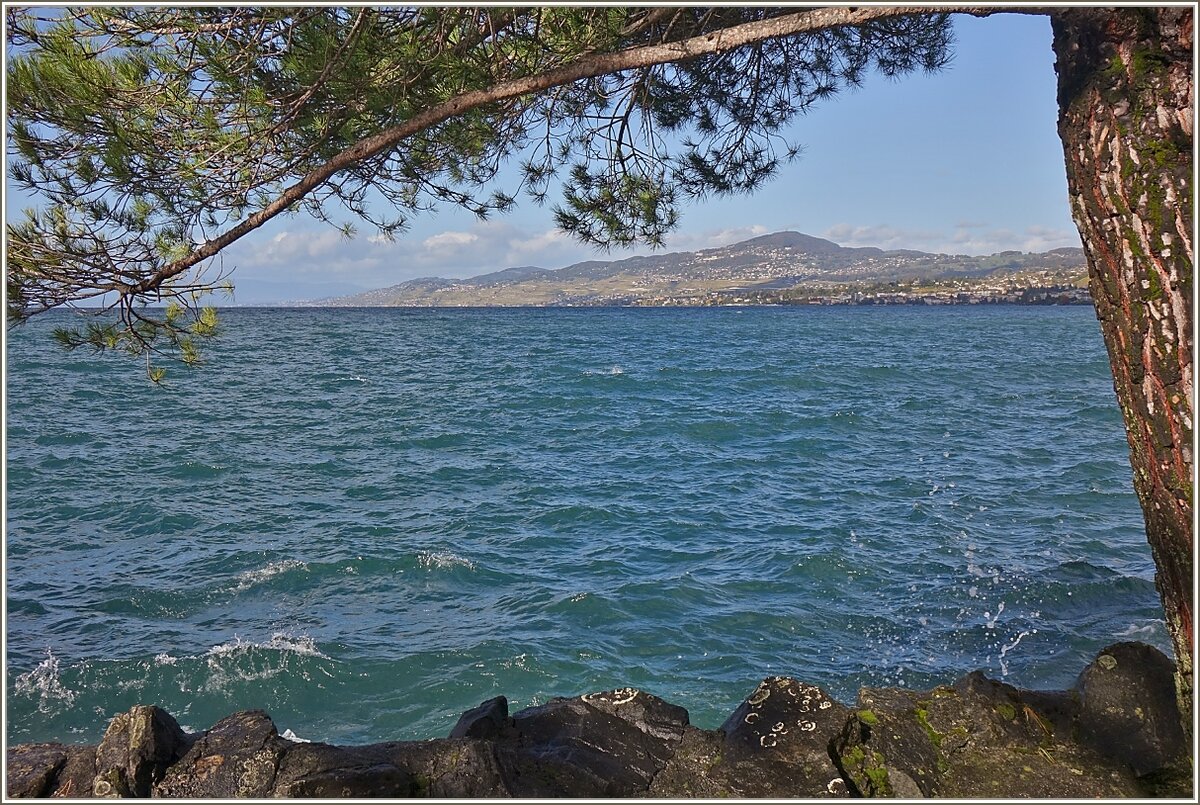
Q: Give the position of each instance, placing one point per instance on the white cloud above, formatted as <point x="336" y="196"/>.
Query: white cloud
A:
<point x="879" y="235"/>
<point x="549" y="241"/>
<point x="449" y="241"/>
<point x="967" y="237"/>
<point x="288" y="247"/>
<point x="712" y="238"/>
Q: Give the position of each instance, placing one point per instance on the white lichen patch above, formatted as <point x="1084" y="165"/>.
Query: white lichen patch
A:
<point x="760" y="695"/>
<point x="618" y="696"/>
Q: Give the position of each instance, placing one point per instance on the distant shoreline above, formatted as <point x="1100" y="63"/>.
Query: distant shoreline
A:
<point x="813" y="303"/>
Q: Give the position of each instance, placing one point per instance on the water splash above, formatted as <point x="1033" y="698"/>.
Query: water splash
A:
<point x="288" y="735"/>
<point x="45" y="683"/>
<point x="1009" y="647"/>
<point x="250" y="578"/>
<point x="302" y="645"/>
<point x="443" y="561"/>
<point x="238" y="660"/>
<point x="991" y="622"/>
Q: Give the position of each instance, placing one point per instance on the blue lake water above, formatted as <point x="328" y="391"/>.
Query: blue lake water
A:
<point x="368" y="521"/>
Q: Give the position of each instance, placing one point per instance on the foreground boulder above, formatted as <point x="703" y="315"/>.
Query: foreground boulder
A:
<point x="1115" y="734"/>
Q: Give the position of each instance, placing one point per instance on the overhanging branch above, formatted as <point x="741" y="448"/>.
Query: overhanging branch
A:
<point x="588" y="66"/>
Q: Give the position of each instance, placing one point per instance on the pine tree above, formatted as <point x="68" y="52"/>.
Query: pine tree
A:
<point x="157" y="137"/>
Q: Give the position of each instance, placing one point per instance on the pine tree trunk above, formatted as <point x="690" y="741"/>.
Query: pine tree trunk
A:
<point x="1125" y="118"/>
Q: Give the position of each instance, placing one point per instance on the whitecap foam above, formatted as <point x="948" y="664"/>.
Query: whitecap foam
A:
<point x="1145" y="630"/>
<point x="241" y="660"/>
<point x="45" y="683"/>
<point x="288" y="735"/>
<point x="302" y="645"/>
<point x="249" y="578"/>
<point x="443" y="560"/>
<point x="611" y="371"/>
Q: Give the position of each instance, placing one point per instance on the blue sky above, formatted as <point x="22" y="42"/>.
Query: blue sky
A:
<point x="966" y="160"/>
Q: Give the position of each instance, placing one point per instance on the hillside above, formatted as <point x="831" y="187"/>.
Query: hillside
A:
<point x="775" y="262"/>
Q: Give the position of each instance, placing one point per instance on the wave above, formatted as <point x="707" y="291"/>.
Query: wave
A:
<point x="239" y="661"/>
<point x="250" y="578"/>
<point x="1145" y="631"/>
<point x="45" y="684"/>
<point x="611" y="371"/>
<point x="443" y="561"/>
<point x="56" y="690"/>
<point x="301" y="645"/>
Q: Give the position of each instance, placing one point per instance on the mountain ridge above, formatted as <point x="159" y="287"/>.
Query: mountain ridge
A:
<point x="775" y="261"/>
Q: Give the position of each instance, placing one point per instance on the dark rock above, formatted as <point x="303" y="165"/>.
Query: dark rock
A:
<point x="646" y="713"/>
<point x="1056" y="709"/>
<point x="32" y="769"/>
<point x="76" y="776"/>
<point x="50" y="770"/>
<point x="1128" y="709"/>
<point x="315" y="770"/>
<point x="135" y="752"/>
<point x="1114" y="735"/>
<point x="451" y="769"/>
<point x="692" y="772"/>
<point x="237" y="758"/>
<point x="886" y="749"/>
<point x="776" y="743"/>
<point x="979" y="738"/>
<point x="998" y="741"/>
<point x="484" y="721"/>
<point x="599" y="745"/>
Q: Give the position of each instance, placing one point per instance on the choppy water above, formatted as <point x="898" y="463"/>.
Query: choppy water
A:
<point x="367" y="522"/>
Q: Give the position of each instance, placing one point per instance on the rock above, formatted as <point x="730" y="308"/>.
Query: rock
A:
<point x="484" y="721"/>
<point x="776" y="743"/>
<point x="32" y="769"/>
<point x="1128" y="710"/>
<point x="886" y="748"/>
<point x="646" y="713"/>
<point x="135" y="752"/>
<point x="978" y="739"/>
<point x="237" y="758"/>
<point x="1114" y="735"/>
<point x="608" y="744"/>
<point x="689" y="774"/>
<point x="452" y="769"/>
<point x="50" y="770"/>
<point x="315" y="770"/>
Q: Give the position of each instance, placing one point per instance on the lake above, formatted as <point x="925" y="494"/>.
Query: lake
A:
<point x="368" y="521"/>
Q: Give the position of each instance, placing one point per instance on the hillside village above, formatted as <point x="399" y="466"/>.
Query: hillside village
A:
<point x="784" y="268"/>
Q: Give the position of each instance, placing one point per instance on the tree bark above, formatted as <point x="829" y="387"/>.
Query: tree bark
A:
<point x="1125" y="118"/>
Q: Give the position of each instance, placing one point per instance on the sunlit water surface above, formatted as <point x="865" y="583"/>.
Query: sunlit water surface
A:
<point x="369" y="521"/>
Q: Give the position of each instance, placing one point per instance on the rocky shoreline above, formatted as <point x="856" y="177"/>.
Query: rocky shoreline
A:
<point x="1116" y="733"/>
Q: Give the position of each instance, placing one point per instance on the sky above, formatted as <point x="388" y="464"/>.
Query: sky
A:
<point x="963" y="161"/>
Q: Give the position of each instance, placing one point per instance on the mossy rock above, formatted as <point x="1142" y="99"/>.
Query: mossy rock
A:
<point x="887" y="747"/>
